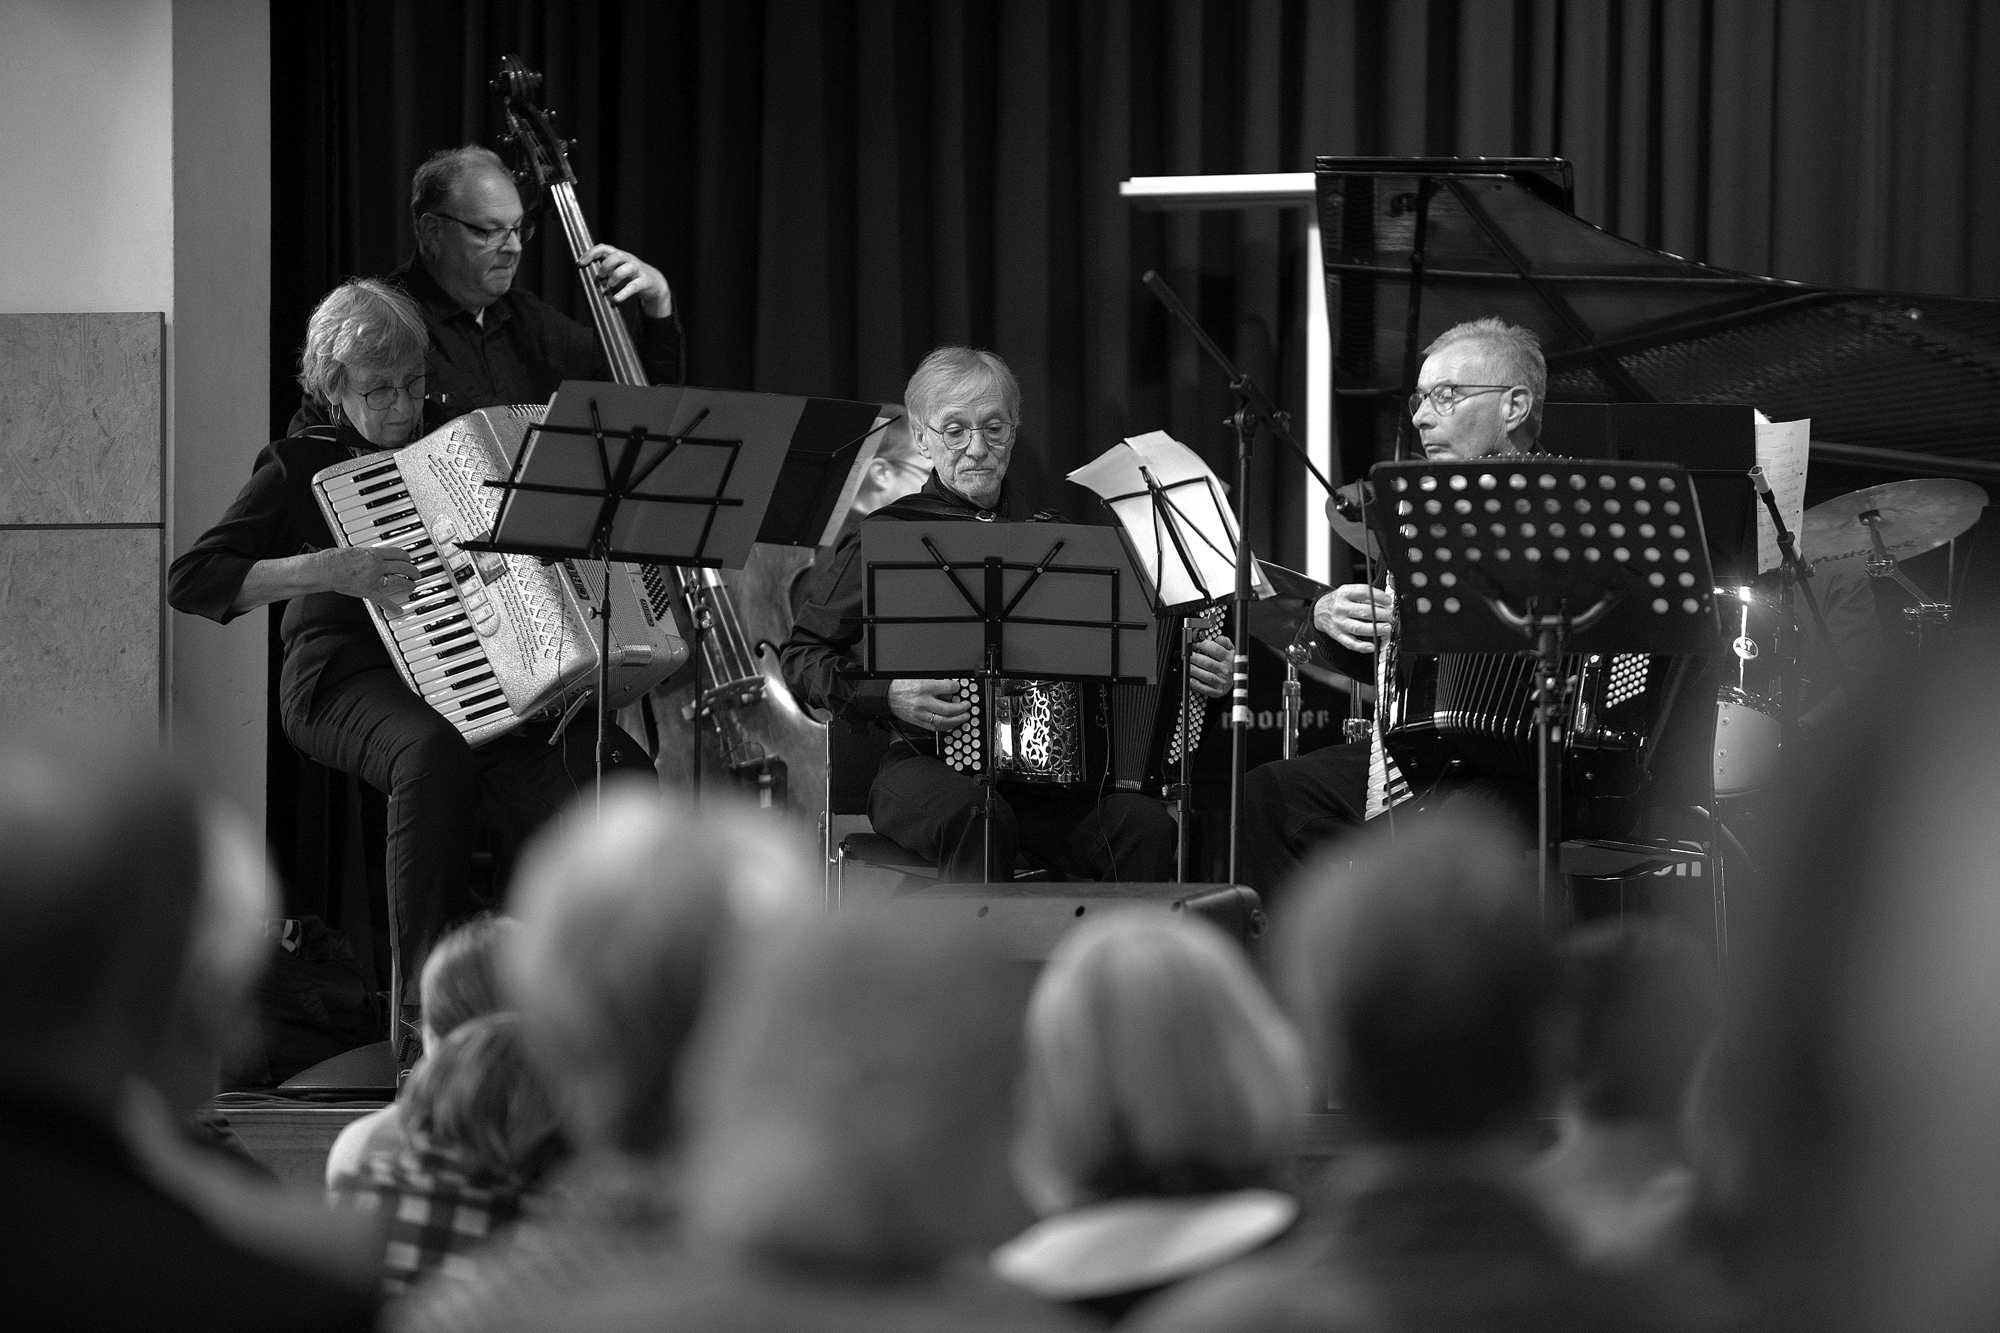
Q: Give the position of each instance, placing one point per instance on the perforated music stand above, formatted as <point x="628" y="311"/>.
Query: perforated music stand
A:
<point x="1553" y="555"/>
<point x="997" y="601"/>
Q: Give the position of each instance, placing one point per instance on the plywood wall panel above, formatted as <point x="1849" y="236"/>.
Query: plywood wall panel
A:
<point x="82" y="643"/>
<point x="80" y="418"/>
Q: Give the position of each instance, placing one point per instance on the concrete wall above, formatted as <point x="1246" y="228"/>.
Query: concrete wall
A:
<point x="138" y="179"/>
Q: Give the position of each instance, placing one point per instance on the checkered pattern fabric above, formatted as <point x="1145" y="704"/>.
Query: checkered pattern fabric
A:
<point x="437" y="1212"/>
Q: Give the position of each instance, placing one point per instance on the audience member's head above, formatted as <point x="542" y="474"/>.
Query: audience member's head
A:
<point x="1421" y="976"/>
<point x="477" y="1096"/>
<point x="1156" y="1064"/>
<point x="461" y="977"/>
<point x="100" y="898"/>
<point x="1869" y="1011"/>
<point x="625" y="918"/>
<point x="1638" y="1002"/>
<point x="854" y="1104"/>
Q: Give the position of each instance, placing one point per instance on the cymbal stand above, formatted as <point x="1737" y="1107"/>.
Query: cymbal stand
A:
<point x="1882" y="565"/>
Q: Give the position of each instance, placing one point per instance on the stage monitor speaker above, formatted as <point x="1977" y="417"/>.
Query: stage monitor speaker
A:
<point x="365" y="1069"/>
<point x="1028" y="918"/>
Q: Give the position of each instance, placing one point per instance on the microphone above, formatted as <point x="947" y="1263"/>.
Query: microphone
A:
<point x="1351" y="502"/>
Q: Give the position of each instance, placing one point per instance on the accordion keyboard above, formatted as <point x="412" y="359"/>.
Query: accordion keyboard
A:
<point x="489" y="640"/>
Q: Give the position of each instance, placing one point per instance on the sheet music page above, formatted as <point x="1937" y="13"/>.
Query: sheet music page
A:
<point x="1190" y="506"/>
<point x="1782" y="450"/>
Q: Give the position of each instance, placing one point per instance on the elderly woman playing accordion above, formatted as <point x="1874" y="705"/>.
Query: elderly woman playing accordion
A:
<point x="341" y="700"/>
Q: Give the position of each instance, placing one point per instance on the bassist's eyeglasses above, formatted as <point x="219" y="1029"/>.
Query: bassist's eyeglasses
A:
<point x="492" y="238"/>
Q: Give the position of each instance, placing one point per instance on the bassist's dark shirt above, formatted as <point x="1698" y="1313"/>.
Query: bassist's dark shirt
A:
<point x="519" y="350"/>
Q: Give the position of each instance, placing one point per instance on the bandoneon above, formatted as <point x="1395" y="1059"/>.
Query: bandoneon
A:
<point x="1090" y="734"/>
<point x="491" y="640"/>
<point x="1478" y="708"/>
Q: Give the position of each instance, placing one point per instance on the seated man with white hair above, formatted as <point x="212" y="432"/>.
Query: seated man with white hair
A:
<point x="964" y="405"/>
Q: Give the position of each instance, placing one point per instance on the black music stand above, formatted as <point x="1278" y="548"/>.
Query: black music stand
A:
<point x="755" y="466"/>
<point x="1054" y="601"/>
<point x="1715" y="442"/>
<point x="816" y="485"/>
<point x="1553" y="555"/>
<point x="645" y="475"/>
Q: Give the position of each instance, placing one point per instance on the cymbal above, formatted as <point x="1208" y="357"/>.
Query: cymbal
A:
<point x="1352" y="526"/>
<point x="1911" y="516"/>
<point x="1285" y="617"/>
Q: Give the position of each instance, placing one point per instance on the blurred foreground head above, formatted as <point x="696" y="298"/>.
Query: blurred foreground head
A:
<point x="461" y="978"/>
<point x="1156" y="1065"/>
<point x="1640" y="1003"/>
<point x="1869" y="984"/>
<point x="852" y="1106"/>
<point x="101" y="855"/>
<point x="625" y="921"/>
<point x="1420" y="974"/>
<point x="477" y="1096"/>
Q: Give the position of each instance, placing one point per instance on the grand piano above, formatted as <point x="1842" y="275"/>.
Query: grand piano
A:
<point x="1412" y="246"/>
<point x="1415" y="245"/>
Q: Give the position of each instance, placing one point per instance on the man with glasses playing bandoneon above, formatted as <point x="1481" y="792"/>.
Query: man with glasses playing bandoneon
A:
<point x="1479" y="393"/>
<point x="492" y="343"/>
<point x="964" y="406"/>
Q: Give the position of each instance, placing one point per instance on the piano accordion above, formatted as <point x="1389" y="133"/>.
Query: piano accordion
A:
<point x="1091" y="734"/>
<point x="491" y="640"/>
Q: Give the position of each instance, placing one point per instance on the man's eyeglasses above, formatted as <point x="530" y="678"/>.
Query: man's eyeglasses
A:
<point x="957" y="436"/>
<point x="382" y="396"/>
<point x="492" y="238"/>
<point x="1446" y="397"/>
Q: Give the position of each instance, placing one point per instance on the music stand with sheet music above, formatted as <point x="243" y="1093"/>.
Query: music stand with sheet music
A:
<point x="1550" y="554"/>
<point x="1183" y="540"/>
<point x="669" y="476"/>
<point x="997" y="601"/>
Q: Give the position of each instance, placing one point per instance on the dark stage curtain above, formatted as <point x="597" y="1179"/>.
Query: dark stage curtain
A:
<point x="835" y="186"/>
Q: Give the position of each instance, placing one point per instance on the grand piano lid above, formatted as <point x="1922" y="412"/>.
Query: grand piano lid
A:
<point x="1884" y="376"/>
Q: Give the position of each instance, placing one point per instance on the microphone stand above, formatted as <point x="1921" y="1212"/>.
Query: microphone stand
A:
<point x="1798" y="575"/>
<point x="1253" y="405"/>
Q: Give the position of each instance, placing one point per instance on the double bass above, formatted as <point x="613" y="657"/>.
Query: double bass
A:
<point x="729" y="713"/>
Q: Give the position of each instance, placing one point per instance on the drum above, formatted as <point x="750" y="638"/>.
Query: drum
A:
<point x="1748" y="716"/>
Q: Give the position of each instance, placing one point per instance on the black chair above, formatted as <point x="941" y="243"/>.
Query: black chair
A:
<point x="853" y="754"/>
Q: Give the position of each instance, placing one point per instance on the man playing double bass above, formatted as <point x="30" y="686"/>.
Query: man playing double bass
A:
<point x="492" y="343"/>
<point x="1479" y="394"/>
